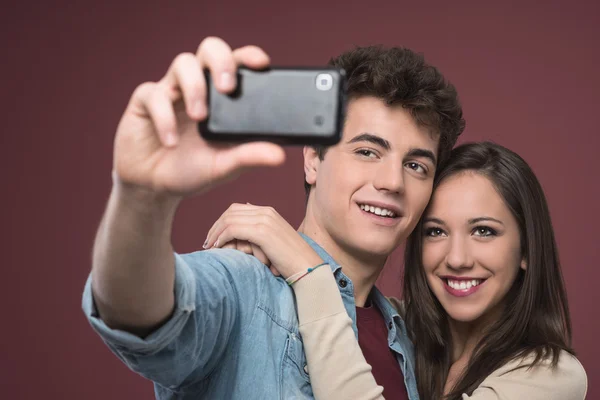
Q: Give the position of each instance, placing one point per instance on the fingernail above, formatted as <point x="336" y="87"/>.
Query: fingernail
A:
<point x="205" y="245"/>
<point x="227" y="80"/>
<point x="216" y="243"/>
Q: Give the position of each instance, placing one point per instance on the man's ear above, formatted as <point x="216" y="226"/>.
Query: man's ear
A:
<point x="311" y="164"/>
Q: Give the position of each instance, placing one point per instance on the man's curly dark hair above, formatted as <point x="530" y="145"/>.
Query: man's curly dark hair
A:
<point x="400" y="76"/>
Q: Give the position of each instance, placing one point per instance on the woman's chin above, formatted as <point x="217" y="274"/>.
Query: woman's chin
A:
<point x="462" y="315"/>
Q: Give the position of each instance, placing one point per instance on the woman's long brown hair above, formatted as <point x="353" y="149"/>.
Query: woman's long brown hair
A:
<point x="536" y="317"/>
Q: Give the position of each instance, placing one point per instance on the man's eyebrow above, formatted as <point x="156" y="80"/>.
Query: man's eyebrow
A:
<point x="369" y="137"/>
<point x="383" y="143"/>
<point x="423" y="153"/>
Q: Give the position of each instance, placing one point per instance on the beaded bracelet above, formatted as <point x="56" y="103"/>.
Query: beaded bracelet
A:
<point x="297" y="276"/>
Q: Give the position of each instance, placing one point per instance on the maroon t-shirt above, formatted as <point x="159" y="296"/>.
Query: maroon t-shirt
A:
<point x="373" y="341"/>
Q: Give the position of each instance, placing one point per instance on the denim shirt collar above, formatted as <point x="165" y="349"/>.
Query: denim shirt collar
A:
<point x="387" y="310"/>
<point x="322" y="253"/>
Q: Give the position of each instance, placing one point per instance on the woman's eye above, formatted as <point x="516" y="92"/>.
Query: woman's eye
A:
<point x="484" y="231"/>
<point x="434" y="232"/>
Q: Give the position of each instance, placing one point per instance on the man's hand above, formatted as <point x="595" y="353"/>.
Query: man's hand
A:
<point x="158" y="148"/>
<point x="160" y="158"/>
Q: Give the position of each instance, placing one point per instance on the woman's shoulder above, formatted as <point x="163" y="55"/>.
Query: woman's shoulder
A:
<point x="566" y="380"/>
<point x="567" y="362"/>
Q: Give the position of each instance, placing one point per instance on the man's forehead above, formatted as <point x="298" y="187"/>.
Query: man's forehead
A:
<point x="394" y="123"/>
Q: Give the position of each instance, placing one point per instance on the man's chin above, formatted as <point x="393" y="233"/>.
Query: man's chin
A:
<point x="376" y="250"/>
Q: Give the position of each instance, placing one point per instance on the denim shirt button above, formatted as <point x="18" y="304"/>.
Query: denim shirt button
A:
<point x="343" y="283"/>
<point x="390" y="325"/>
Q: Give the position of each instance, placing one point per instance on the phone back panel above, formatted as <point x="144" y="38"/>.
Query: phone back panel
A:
<point x="287" y="105"/>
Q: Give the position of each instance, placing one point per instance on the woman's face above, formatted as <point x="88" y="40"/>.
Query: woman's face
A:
<point x="471" y="247"/>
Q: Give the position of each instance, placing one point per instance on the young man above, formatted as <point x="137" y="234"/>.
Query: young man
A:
<point x="217" y="324"/>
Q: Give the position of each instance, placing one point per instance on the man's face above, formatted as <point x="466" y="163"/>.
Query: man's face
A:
<point x="371" y="188"/>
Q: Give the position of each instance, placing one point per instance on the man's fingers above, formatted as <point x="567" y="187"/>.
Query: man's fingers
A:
<point x="156" y="102"/>
<point x="185" y="76"/>
<point x="252" y="57"/>
<point x="216" y="55"/>
<point x="185" y="79"/>
<point x="248" y="155"/>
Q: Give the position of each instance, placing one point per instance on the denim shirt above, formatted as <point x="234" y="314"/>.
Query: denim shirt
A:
<point x="234" y="332"/>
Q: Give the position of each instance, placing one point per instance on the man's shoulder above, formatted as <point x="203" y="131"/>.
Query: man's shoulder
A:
<point x="256" y="286"/>
<point x="228" y="258"/>
<point x="236" y="266"/>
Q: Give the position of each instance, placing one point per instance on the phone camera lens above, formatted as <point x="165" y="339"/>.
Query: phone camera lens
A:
<point x="324" y="82"/>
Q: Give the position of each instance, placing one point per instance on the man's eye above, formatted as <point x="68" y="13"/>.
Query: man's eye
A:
<point x="416" y="167"/>
<point x="366" y="153"/>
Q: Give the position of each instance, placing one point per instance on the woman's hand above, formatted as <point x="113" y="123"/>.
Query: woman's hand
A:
<point x="262" y="232"/>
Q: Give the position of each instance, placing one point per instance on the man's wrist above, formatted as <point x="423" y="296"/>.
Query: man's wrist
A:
<point x="142" y="200"/>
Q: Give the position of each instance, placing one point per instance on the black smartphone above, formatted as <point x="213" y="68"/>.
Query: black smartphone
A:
<point x="289" y="106"/>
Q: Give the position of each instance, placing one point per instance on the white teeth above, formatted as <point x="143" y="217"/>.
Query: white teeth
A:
<point x="377" y="211"/>
<point x="464" y="285"/>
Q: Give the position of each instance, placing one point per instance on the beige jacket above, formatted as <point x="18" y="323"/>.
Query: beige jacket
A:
<point x="338" y="369"/>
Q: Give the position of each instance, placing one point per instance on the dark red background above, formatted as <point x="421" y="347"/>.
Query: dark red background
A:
<point x="527" y="75"/>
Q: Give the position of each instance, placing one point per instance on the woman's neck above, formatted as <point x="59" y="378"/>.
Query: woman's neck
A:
<point x="465" y="337"/>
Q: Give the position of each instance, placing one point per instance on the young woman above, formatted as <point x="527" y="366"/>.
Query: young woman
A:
<point x="484" y="299"/>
